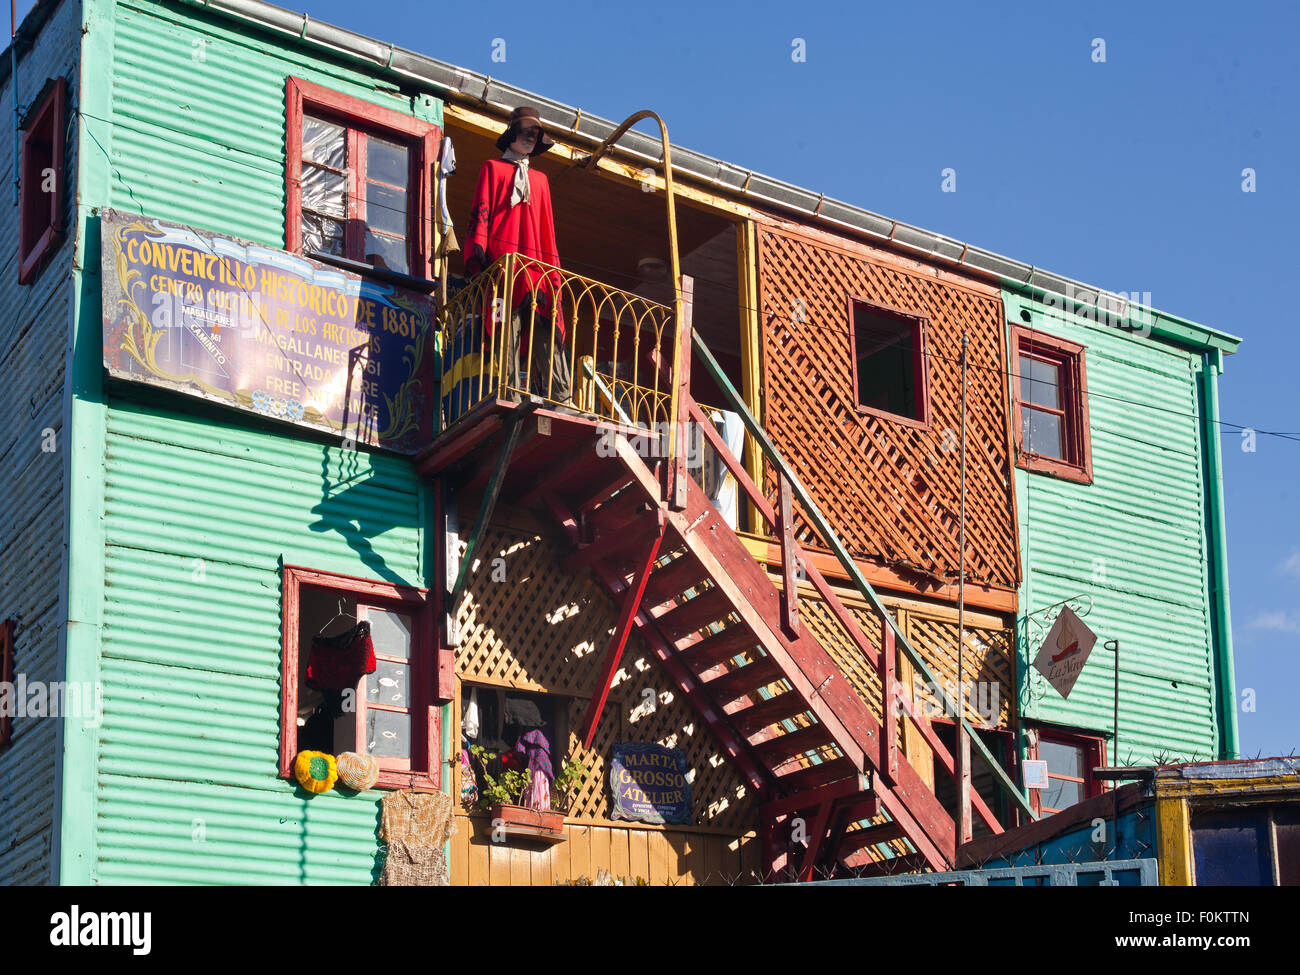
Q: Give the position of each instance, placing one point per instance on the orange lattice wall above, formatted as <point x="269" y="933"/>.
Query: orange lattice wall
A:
<point x="889" y="489"/>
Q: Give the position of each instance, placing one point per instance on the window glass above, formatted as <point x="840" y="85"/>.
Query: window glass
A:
<point x="1042" y="432"/>
<point x="391" y="632"/>
<point x="324" y="143"/>
<point x="1040" y="382"/>
<point x="886" y="352"/>
<point x="388" y="733"/>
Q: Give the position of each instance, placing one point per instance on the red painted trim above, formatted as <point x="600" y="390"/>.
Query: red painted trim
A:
<point x="7" y="630"/>
<point x="789" y="559"/>
<point x="51" y="112"/>
<point x="1073" y="399"/>
<point x="423" y="768"/>
<point x="920" y="360"/>
<point x="421" y="137"/>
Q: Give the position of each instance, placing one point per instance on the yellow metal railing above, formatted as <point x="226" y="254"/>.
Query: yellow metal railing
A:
<point x="523" y="328"/>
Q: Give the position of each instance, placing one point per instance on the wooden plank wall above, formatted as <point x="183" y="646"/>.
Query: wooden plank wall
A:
<point x="661" y="857"/>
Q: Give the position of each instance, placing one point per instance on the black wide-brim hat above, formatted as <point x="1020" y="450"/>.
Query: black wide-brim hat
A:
<point x="517" y="119"/>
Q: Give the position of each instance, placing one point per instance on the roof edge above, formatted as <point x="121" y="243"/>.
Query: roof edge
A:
<point x="489" y="93"/>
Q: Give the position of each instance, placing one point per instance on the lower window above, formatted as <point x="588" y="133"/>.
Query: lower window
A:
<point x="1070" y="758"/>
<point x="331" y="625"/>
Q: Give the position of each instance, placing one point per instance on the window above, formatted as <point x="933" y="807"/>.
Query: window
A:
<point x="504" y="714"/>
<point x="359" y="180"/>
<point x="1070" y="760"/>
<point x="7" y="677"/>
<point x="40" y="212"/>
<point x="392" y="713"/>
<point x="1050" y="390"/>
<point x="889" y="364"/>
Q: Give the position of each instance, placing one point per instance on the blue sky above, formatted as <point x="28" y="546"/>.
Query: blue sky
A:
<point x="1125" y="174"/>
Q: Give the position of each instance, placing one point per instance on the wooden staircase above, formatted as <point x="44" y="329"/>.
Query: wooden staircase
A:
<point x="769" y="691"/>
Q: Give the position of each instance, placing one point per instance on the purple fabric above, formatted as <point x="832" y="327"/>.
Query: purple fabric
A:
<point x="536" y="750"/>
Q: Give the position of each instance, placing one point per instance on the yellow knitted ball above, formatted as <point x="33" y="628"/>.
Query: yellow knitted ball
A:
<point x="358" y="772"/>
<point x="315" y="771"/>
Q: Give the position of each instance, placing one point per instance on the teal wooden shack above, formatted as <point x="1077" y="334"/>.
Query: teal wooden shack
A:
<point x="182" y="542"/>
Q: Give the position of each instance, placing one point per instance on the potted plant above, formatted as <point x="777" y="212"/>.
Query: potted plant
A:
<point x="505" y="789"/>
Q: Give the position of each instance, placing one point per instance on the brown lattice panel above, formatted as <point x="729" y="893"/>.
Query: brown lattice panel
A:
<point x="891" y="491"/>
<point x="542" y="629"/>
<point x="988" y="659"/>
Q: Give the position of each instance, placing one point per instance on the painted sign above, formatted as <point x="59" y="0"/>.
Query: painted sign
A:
<point x="1062" y="656"/>
<point x="266" y="331"/>
<point x="649" y="784"/>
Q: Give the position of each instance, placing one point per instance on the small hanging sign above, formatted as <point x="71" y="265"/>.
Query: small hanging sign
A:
<point x="1062" y="656"/>
<point x="649" y="784"/>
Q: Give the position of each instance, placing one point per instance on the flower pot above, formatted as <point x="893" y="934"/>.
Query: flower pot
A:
<point x="538" y="824"/>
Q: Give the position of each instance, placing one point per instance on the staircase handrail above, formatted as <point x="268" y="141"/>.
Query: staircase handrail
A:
<point x="855" y="575"/>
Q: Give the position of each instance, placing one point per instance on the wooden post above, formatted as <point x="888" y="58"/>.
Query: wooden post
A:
<point x="889" y="692"/>
<point x="789" y="562"/>
<point x="677" y="472"/>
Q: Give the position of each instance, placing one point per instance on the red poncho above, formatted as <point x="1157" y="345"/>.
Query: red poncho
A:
<point x="496" y="228"/>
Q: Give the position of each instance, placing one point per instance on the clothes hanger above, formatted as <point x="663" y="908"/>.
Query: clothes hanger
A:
<point x="341" y="615"/>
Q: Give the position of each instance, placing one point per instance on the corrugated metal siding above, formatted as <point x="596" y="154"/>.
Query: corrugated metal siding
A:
<point x="1134" y="540"/>
<point x="222" y="167"/>
<point x="191" y="661"/>
<point x="33" y="337"/>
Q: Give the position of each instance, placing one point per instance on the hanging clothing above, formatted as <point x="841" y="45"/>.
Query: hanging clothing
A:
<point x="336" y="663"/>
<point x="535" y="749"/>
<point x="447" y="242"/>
<point x="418" y="818"/>
<point x="497" y="226"/>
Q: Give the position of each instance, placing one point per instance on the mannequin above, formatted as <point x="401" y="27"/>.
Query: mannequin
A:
<point x="512" y="214"/>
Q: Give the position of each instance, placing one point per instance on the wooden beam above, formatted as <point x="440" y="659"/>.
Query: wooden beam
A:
<point x="618" y="639"/>
<point x="789" y="561"/>
<point x="889" y="689"/>
<point x="515" y="426"/>
<point x="677" y="472"/>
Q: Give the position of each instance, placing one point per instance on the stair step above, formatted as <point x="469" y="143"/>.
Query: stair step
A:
<point x="674" y="579"/>
<point x="694" y="614"/>
<point x="744" y="680"/>
<point x="633" y="539"/>
<point x="713" y="650"/>
<point x="758" y="716"/>
<point x="814" y="775"/>
<point x="775" y="751"/>
<point x="863" y="838"/>
<point x="616" y="514"/>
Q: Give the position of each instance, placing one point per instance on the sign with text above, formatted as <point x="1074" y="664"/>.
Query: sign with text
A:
<point x="649" y="784"/>
<point x="1062" y="656"/>
<point x="266" y="331"/>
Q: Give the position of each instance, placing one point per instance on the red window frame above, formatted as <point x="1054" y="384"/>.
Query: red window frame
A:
<point x="1094" y="756"/>
<point x="422" y="138"/>
<point x="920" y="358"/>
<point x="1073" y="409"/>
<point x="7" y="630"/>
<point x="430" y="672"/>
<point x="40" y="221"/>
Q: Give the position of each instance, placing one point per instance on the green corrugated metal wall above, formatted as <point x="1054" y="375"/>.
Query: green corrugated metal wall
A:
<point x="202" y="504"/>
<point x="1134" y="540"/>
<point x="198" y="513"/>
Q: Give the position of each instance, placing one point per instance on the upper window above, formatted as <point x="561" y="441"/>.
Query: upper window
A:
<point x="40" y="216"/>
<point x="358" y="179"/>
<point x="1050" y="389"/>
<point x="329" y="704"/>
<point x="889" y="371"/>
<point x="1070" y="760"/>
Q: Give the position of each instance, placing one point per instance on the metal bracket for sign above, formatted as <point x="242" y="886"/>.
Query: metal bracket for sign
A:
<point x="1040" y="620"/>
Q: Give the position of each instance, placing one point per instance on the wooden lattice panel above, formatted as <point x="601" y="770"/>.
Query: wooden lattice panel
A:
<point x="988" y="663"/>
<point x="891" y="491"/>
<point x="538" y="628"/>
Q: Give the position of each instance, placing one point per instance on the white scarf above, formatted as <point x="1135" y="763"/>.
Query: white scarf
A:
<point x="519" y="190"/>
